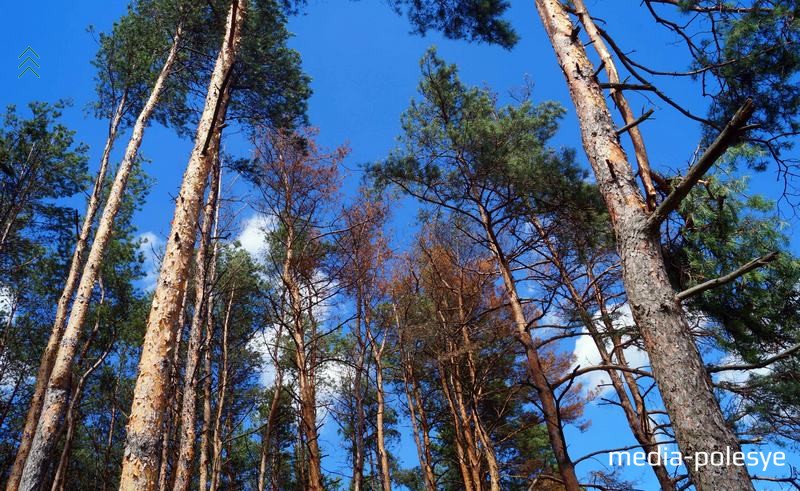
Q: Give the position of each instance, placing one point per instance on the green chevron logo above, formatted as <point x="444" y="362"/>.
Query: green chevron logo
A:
<point x="28" y="62"/>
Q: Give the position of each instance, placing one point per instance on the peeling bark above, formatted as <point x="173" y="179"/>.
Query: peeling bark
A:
<point x="140" y="461"/>
<point x="62" y="308"/>
<point x="57" y="394"/>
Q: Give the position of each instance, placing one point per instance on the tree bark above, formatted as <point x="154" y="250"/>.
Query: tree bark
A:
<point x="171" y="420"/>
<point x="415" y="409"/>
<point x="140" y="462"/>
<point x="188" y="433"/>
<point x="383" y="455"/>
<point x="50" y="351"/>
<point x="57" y="393"/>
<point x="216" y="467"/>
<point x="688" y="397"/>
<point x="536" y="370"/>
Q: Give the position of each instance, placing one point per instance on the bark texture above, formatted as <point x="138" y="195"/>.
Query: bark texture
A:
<point x="62" y="308"/>
<point x="140" y="461"/>
<point x="56" y="396"/>
<point x="188" y="414"/>
<point x="696" y="418"/>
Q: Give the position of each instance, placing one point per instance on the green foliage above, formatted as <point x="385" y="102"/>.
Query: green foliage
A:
<point x="269" y="87"/>
<point x="474" y="20"/>
<point x="759" y="58"/>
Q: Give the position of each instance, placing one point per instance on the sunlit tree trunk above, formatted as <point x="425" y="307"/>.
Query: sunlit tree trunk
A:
<point x="171" y="421"/>
<point x="536" y="369"/>
<point x="684" y="386"/>
<point x="58" y="386"/>
<point x="188" y="433"/>
<point x="140" y="463"/>
<point x="62" y="308"/>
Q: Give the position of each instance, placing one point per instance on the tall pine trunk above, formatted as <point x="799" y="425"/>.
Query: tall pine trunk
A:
<point x="685" y="388"/>
<point x="188" y="413"/>
<point x="49" y="355"/>
<point x="56" y="396"/>
<point x="140" y="462"/>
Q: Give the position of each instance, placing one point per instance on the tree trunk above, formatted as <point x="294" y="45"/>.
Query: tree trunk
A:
<point x="50" y="351"/>
<point x="216" y="466"/>
<point x="635" y="413"/>
<point x="60" y="479"/>
<point x="415" y="409"/>
<point x="458" y="432"/>
<point x="140" y="463"/>
<point x="188" y="434"/>
<point x="56" y="395"/>
<point x="383" y="455"/>
<point x="549" y="404"/>
<point x="696" y="418"/>
<point x="360" y="423"/>
<point x="171" y="420"/>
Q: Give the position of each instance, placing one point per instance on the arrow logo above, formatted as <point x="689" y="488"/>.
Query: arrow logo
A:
<point x="28" y="62"/>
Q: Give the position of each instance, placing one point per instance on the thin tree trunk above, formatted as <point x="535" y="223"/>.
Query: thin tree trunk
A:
<point x="140" y="463"/>
<point x="171" y="421"/>
<point x="458" y="432"/>
<point x="205" y="434"/>
<point x="536" y="370"/>
<point x="634" y="415"/>
<point x="383" y="455"/>
<point x="208" y="347"/>
<point x="60" y="479"/>
<point x="685" y="388"/>
<point x="188" y="434"/>
<point x="415" y="409"/>
<point x="56" y="395"/>
<point x="272" y="417"/>
<point x="111" y="424"/>
<point x="216" y="467"/>
<point x="360" y="424"/>
<point x="56" y="333"/>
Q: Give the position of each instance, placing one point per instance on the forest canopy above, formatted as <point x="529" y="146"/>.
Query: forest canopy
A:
<point x="560" y="241"/>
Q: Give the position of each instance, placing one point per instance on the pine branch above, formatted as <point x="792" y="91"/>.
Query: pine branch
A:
<point x="729" y="136"/>
<point x="636" y="122"/>
<point x="753" y="366"/>
<point x="755" y="263"/>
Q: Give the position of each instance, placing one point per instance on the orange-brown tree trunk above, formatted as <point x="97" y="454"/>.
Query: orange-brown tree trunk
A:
<point x="140" y="462"/>
<point x="58" y="387"/>
<point x="188" y="433"/>
<point x="535" y="368"/>
<point x="62" y="308"/>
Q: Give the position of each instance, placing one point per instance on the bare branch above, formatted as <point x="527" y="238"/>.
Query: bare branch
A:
<point x="753" y="366"/>
<point x="755" y="263"/>
<point x="729" y="136"/>
<point x="636" y="122"/>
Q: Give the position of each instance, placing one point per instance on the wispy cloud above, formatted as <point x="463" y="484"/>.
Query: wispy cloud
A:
<point x="253" y="236"/>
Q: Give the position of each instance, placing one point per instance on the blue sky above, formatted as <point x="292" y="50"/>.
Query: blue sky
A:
<point x="364" y="67"/>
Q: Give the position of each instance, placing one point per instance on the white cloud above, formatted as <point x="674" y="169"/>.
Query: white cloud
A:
<point x="152" y="248"/>
<point x="263" y="343"/>
<point x="586" y="354"/>
<point x="253" y="236"/>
